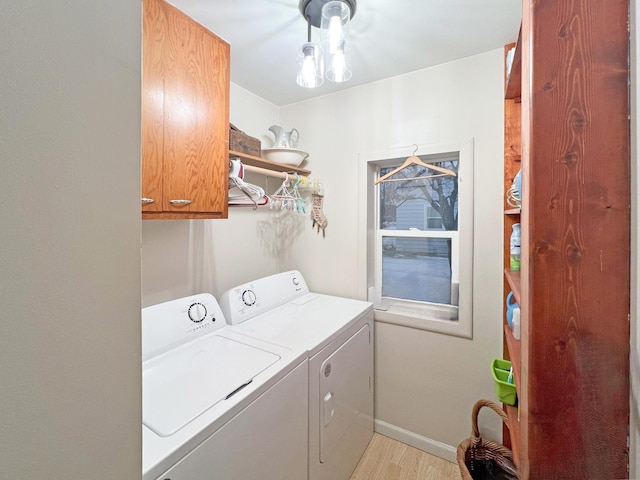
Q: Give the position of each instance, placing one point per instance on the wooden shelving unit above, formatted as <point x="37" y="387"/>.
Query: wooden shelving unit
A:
<point x="512" y="163"/>
<point x="268" y="164"/>
<point x="566" y="108"/>
<point x="513" y="280"/>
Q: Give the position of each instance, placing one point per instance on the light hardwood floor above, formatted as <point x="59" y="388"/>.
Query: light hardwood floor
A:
<point x="388" y="459"/>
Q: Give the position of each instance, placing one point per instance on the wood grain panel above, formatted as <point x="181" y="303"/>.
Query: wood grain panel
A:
<point x="196" y="118"/>
<point x="513" y="79"/>
<point x="576" y="235"/>
<point x="154" y="30"/>
<point x="514" y="431"/>
<point x="513" y="281"/>
<point x="180" y="215"/>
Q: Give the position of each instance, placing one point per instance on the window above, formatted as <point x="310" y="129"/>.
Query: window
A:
<point x="421" y="251"/>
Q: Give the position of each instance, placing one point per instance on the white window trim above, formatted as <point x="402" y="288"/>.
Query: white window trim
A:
<point x="405" y="312"/>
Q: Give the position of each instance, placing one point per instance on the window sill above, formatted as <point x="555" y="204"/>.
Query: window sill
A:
<point x="431" y="320"/>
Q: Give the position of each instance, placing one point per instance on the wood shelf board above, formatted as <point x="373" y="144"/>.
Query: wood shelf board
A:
<point x="514" y="432"/>
<point x="268" y="164"/>
<point x="512" y="211"/>
<point x="513" y="279"/>
<point x="513" y="86"/>
<point x="513" y="347"/>
<point x="514" y="354"/>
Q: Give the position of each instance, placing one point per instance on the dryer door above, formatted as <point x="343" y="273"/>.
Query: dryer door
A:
<point x="345" y="392"/>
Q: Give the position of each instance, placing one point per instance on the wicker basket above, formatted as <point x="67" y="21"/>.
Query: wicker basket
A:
<point x="481" y="459"/>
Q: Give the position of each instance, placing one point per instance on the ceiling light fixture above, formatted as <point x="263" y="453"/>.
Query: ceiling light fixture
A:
<point x="333" y="17"/>
<point x="310" y="63"/>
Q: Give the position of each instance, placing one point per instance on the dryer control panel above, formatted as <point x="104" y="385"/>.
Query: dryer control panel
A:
<point x="251" y="299"/>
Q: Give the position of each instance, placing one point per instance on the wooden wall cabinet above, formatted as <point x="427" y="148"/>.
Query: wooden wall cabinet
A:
<point x="185" y="117"/>
<point x="572" y="361"/>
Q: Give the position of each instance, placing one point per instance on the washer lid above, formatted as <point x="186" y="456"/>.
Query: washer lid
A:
<point x="183" y="383"/>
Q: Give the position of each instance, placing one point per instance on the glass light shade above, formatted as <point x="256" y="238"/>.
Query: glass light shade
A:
<point x="339" y="65"/>
<point x="336" y="19"/>
<point x="310" y="66"/>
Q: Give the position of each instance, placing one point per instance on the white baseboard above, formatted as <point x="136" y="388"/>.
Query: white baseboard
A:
<point x="425" y="444"/>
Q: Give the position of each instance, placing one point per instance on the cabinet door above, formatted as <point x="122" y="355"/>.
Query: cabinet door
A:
<point x="153" y="40"/>
<point x="196" y="112"/>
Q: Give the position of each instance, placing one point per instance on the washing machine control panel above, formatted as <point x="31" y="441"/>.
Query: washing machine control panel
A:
<point x="248" y="297"/>
<point x="173" y="323"/>
<point x="197" y="312"/>
<point x="246" y="301"/>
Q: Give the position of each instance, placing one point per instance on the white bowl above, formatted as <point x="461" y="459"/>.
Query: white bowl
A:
<point x="286" y="156"/>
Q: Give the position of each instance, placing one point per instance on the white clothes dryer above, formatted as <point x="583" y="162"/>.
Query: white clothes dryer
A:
<point x="337" y="333"/>
<point x="218" y="405"/>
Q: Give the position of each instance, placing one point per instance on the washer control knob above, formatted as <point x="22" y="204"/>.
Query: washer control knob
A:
<point x="248" y="297"/>
<point x="295" y="281"/>
<point x="197" y="312"/>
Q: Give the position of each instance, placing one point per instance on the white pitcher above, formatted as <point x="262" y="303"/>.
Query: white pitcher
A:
<point x="284" y="139"/>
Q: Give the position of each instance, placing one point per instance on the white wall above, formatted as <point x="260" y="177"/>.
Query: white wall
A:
<point x="69" y="210"/>
<point x="70" y="236"/>
<point x="426" y="382"/>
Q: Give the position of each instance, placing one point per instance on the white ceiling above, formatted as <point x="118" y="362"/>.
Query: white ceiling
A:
<point x="389" y="38"/>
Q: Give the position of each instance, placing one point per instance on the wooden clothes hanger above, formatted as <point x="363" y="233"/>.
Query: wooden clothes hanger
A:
<point x="413" y="160"/>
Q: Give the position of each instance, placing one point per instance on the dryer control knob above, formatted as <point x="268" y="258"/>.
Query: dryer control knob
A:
<point x="197" y="312"/>
<point x="295" y="281"/>
<point x="248" y="297"/>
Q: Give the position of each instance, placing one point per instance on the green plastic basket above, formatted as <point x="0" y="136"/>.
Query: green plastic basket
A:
<point x="500" y="371"/>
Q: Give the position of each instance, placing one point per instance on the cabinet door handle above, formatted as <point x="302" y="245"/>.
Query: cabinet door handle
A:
<point x="147" y="200"/>
<point x="180" y="202"/>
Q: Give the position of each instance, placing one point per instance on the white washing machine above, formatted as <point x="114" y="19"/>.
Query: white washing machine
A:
<point x="337" y="333"/>
<point x="216" y="404"/>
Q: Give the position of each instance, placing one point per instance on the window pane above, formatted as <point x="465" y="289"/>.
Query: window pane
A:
<point x="425" y="204"/>
<point x="417" y="269"/>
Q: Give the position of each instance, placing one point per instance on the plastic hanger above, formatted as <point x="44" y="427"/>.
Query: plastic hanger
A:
<point x="281" y="199"/>
<point x="300" y="203"/>
<point x="413" y="160"/>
